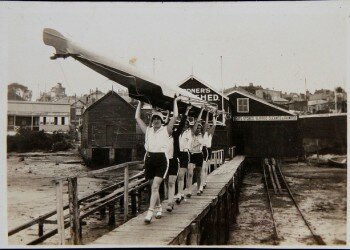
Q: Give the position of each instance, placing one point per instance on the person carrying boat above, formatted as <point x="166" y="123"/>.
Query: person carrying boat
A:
<point x="196" y="156"/>
<point x="173" y="153"/>
<point x="185" y="140"/>
<point x="207" y="141"/>
<point x="156" y="159"/>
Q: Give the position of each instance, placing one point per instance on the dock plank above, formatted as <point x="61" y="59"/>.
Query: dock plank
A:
<point x="163" y="231"/>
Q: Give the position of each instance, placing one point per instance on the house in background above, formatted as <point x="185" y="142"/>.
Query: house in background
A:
<point x="57" y="92"/>
<point x="47" y="116"/>
<point x="109" y="131"/>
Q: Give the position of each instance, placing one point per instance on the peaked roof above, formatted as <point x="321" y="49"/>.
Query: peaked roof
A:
<point x="204" y="83"/>
<point x="111" y="92"/>
<point x="258" y="99"/>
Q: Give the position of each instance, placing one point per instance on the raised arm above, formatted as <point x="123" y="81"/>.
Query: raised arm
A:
<point x="173" y="119"/>
<point x="182" y="122"/>
<point x="206" y="122"/>
<point x="197" y="121"/>
<point x="167" y="118"/>
<point x="139" y="121"/>
<point x="212" y="128"/>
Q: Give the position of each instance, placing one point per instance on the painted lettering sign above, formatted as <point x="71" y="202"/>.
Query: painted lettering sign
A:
<point x="264" y="118"/>
<point x="205" y="94"/>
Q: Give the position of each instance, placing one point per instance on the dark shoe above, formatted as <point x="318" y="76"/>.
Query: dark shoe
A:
<point x="199" y="193"/>
<point x="188" y="195"/>
<point x="170" y="207"/>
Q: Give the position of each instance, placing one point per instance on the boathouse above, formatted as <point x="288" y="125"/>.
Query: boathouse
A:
<point x="109" y="131"/>
<point x="222" y="136"/>
<point x="261" y="129"/>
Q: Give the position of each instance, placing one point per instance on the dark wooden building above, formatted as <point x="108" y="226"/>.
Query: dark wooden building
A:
<point x="330" y="128"/>
<point x="261" y="129"/>
<point x="222" y="136"/>
<point x="109" y="131"/>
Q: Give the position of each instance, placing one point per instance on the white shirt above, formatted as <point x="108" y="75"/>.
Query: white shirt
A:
<point x="197" y="143"/>
<point x="170" y="151"/>
<point x="207" y="139"/>
<point x="185" y="140"/>
<point x="157" y="141"/>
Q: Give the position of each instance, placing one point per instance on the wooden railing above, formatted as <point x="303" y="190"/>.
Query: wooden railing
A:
<point x="76" y="214"/>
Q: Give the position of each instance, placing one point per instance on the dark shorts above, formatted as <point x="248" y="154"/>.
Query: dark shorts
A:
<point x="156" y="164"/>
<point x="205" y="153"/>
<point x="173" y="166"/>
<point x="184" y="158"/>
<point x="197" y="159"/>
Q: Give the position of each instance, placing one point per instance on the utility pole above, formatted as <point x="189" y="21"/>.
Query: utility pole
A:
<point x="154" y="66"/>
<point x="335" y="100"/>
<point x="222" y="92"/>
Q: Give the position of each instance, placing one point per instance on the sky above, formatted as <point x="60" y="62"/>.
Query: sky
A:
<point x="273" y="44"/>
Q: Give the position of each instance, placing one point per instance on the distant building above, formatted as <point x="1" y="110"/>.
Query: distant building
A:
<point x="294" y="97"/>
<point x="268" y="94"/>
<point x="37" y="116"/>
<point x="319" y="106"/>
<point x="57" y="92"/>
<point x="76" y="110"/>
<point x="109" y="131"/>
<point x="299" y="106"/>
<point x="322" y="94"/>
<point x="251" y="88"/>
<point x="92" y="97"/>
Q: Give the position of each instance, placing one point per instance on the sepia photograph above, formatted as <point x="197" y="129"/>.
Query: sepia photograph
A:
<point x="174" y="124"/>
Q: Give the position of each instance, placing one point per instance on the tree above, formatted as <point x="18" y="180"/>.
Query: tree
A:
<point x="16" y="91"/>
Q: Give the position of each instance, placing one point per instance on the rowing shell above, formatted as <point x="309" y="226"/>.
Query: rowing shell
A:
<point x="139" y="85"/>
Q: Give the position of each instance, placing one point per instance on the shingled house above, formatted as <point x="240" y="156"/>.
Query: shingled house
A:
<point x="109" y="131"/>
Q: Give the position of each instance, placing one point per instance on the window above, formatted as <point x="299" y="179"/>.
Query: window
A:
<point x="242" y="105"/>
<point x="11" y="120"/>
<point x="44" y="120"/>
<point x="62" y="120"/>
<point x="56" y="121"/>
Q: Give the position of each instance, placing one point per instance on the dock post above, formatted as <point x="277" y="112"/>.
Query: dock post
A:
<point x="139" y="199"/>
<point x="318" y="156"/>
<point x="126" y="192"/>
<point x="103" y="209"/>
<point x="41" y="228"/>
<point x="214" y="222"/>
<point x="215" y="160"/>
<point x="133" y="202"/>
<point x="74" y="210"/>
<point x="60" y="218"/>
<point x="194" y="238"/>
<point x="111" y="215"/>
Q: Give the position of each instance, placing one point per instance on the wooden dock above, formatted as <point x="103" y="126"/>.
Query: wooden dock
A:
<point x="199" y="220"/>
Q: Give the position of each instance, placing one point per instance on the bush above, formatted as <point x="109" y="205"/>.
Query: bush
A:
<point x="61" y="146"/>
<point x="26" y="140"/>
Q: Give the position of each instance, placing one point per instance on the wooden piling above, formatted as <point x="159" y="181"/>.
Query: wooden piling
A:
<point x="133" y="203"/>
<point x="74" y="210"/>
<point x="194" y="238"/>
<point x="126" y="192"/>
<point x="40" y="228"/>
<point x="111" y="215"/>
<point x="60" y="218"/>
<point x="139" y="199"/>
